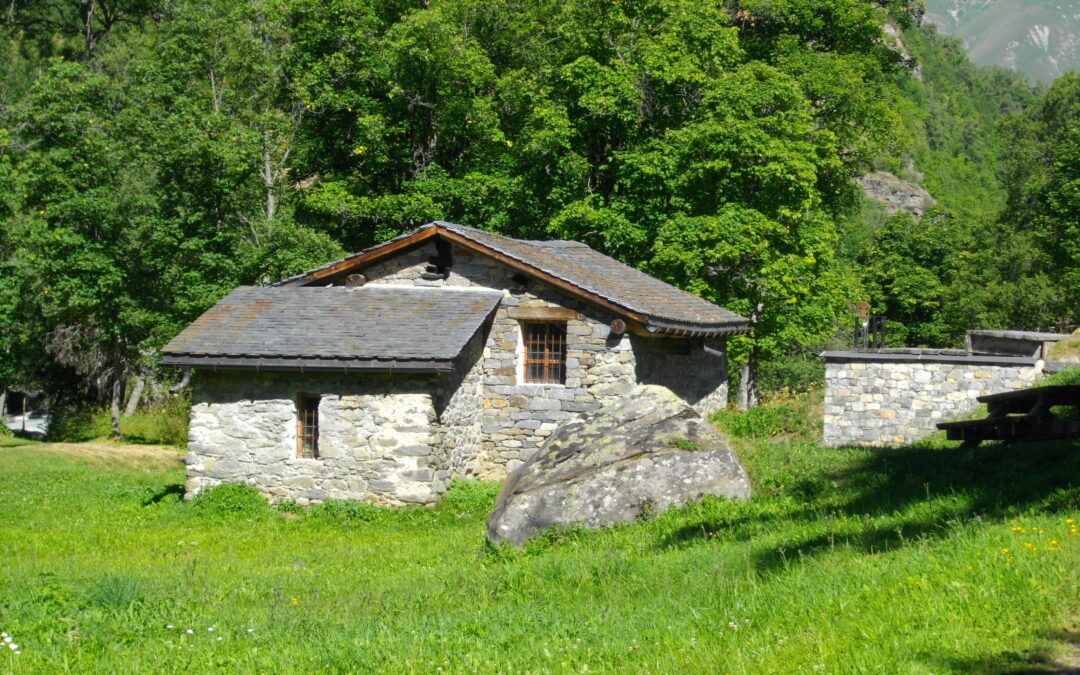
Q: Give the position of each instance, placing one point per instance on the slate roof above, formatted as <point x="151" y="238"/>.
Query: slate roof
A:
<point x="371" y="328"/>
<point x="663" y="308"/>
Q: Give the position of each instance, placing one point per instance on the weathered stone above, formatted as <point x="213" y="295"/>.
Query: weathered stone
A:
<point x="630" y="457"/>
<point x="378" y="428"/>
<point x="917" y="394"/>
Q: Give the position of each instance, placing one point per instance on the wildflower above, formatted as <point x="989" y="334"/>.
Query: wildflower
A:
<point x="295" y="601"/>
<point x="219" y="637"/>
<point x="169" y="626"/>
<point x="189" y="631"/>
<point x="1070" y="520"/>
<point x="733" y="625"/>
<point x="211" y="629"/>
<point x="251" y="630"/>
<point x="12" y="646"/>
<point x="1004" y="551"/>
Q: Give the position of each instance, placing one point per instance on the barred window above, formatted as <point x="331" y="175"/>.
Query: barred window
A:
<point x="307" y="426"/>
<point x="545" y="352"/>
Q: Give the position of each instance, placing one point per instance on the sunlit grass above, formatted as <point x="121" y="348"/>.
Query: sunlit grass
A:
<point x="929" y="559"/>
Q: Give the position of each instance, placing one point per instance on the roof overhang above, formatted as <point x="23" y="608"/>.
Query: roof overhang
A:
<point x="639" y="323"/>
<point x="305" y="365"/>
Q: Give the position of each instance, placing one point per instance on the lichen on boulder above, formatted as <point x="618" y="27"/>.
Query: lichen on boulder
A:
<point x="641" y="455"/>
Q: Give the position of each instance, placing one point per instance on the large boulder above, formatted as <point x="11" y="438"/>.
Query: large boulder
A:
<point x="641" y="455"/>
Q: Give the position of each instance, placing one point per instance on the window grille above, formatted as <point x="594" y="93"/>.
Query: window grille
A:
<point x="307" y="421"/>
<point x="545" y="352"/>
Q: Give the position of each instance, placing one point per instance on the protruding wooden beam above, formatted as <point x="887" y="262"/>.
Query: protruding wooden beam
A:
<point x="543" y="314"/>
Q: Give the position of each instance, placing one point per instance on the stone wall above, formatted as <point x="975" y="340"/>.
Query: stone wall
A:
<point x="893" y="397"/>
<point x="458" y="402"/>
<point x="379" y="437"/>
<point x="399" y="439"/>
<point x="517" y="416"/>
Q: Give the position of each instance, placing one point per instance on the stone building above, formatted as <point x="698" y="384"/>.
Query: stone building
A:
<point x="446" y="352"/>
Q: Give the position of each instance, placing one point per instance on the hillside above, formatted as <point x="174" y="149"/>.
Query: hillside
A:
<point x="823" y="570"/>
<point x="1039" y="38"/>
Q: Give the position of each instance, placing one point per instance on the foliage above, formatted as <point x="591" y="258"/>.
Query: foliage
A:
<point x="187" y="148"/>
<point x="784" y="417"/>
<point x="1069" y="375"/>
<point x="231" y="500"/>
<point x="1068" y="348"/>
<point x="78" y="424"/>
<point x="1043" y="181"/>
<point x="348" y="511"/>
<point x="469" y="497"/>
<point x="792" y="373"/>
<point x="939" y="277"/>
<point x="115" y="591"/>
<point x="162" y="422"/>
<point x="824" y="566"/>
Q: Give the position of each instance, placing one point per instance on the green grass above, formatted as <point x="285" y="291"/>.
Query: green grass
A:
<point x="920" y="560"/>
<point x="1066" y="349"/>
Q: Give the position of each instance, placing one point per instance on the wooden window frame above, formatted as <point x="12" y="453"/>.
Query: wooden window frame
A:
<point x="549" y="359"/>
<point x="307" y="409"/>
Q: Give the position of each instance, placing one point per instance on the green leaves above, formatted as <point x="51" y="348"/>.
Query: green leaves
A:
<point x="229" y="143"/>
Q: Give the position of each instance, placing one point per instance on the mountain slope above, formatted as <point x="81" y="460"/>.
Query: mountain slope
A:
<point x="1040" y="38"/>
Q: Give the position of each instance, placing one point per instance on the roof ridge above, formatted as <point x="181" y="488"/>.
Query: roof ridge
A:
<point x="575" y="267"/>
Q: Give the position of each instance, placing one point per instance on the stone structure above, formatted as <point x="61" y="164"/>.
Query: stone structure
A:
<point x="396" y="424"/>
<point x="896" y="194"/>
<point x="642" y="454"/>
<point x="379" y="436"/>
<point x="895" y="396"/>
<point x="1014" y="342"/>
<point x="601" y="367"/>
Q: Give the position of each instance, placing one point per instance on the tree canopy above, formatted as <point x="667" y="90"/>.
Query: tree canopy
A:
<point x="154" y="155"/>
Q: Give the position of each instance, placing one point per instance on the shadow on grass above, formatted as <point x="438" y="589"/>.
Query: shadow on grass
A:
<point x="170" y="491"/>
<point x="886" y="486"/>
<point x="1043" y="660"/>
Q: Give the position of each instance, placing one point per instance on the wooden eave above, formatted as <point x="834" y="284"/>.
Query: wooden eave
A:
<point x="637" y="321"/>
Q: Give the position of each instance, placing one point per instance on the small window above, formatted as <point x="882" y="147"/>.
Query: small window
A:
<point x="307" y="426"/>
<point x="545" y="352"/>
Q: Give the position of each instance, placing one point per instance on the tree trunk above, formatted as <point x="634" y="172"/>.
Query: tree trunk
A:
<point x="136" y="396"/>
<point x="3" y="402"/>
<point x="119" y="380"/>
<point x="268" y="176"/>
<point x="747" y="396"/>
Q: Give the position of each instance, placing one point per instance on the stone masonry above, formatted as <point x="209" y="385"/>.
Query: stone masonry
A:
<point x="379" y="437"/>
<point x="516" y="416"/>
<point x="894" y="397"/>
<point x="401" y="438"/>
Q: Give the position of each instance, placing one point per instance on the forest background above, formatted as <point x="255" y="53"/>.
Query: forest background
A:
<point x="154" y="154"/>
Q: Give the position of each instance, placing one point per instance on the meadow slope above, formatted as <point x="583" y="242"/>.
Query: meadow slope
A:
<point x="926" y="559"/>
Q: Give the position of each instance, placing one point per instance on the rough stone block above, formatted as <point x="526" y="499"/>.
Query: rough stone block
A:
<point x="538" y="403"/>
<point x="412" y="451"/>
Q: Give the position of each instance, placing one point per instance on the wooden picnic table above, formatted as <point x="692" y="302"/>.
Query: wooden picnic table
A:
<point x="1021" y="415"/>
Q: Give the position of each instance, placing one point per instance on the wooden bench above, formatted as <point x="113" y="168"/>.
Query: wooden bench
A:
<point x="1021" y="415"/>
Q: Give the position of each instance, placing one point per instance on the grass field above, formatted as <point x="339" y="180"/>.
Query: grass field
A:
<point x="927" y="559"/>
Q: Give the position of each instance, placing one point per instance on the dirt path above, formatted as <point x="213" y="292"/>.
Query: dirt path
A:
<point x="111" y="453"/>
